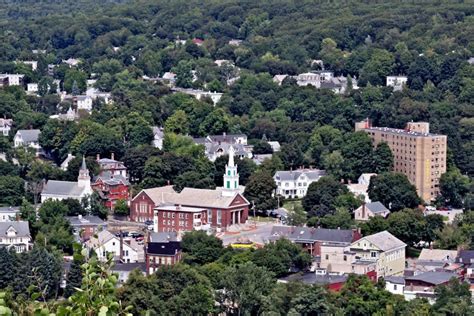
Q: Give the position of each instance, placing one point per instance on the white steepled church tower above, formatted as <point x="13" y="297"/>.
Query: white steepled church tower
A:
<point x="231" y="177"/>
<point x="84" y="179"/>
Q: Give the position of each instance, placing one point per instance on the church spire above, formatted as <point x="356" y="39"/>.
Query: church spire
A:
<point x="84" y="180"/>
<point x="231" y="177"/>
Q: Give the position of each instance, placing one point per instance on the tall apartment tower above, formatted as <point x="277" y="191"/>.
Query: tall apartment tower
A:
<point x="418" y="154"/>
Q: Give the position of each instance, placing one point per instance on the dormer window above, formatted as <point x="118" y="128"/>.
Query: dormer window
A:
<point x="11" y="232"/>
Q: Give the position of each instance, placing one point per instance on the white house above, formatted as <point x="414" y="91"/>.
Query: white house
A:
<point x="27" y="138"/>
<point x="368" y="210"/>
<point x="72" y="62"/>
<point x="199" y="94"/>
<point x="294" y="184"/>
<point x="360" y="188"/>
<point x="278" y="79"/>
<point x="395" y="284"/>
<point x="84" y="102"/>
<point x="125" y="250"/>
<point x="60" y="190"/>
<point x="32" y="63"/>
<point x="15" y="235"/>
<point x="314" y="78"/>
<point x="5" y="126"/>
<point x="397" y="82"/>
<point x="158" y="137"/>
<point x="13" y="79"/>
<point x="9" y="213"/>
<point x="65" y="163"/>
<point x="32" y="88"/>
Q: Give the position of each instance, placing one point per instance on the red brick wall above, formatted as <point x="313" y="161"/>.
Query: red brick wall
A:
<point x="135" y="212"/>
<point x="170" y="220"/>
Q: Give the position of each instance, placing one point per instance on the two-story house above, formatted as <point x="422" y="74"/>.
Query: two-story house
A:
<point x="294" y="184"/>
<point x="162" y="249"/>
<point x="28" y="138"/>
<point x="83" y="102"/>
<point x="9" y="213"/>
<point x="383" y="248"/>
<point x="84" y="227"/>
<point x="5" y="126"/>
<point x="123" y="250"/>
<point x="15" y="235"/>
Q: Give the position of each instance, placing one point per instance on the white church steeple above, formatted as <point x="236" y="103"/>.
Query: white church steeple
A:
<point x="231" y="177"/>
<point x="84" y="180"/>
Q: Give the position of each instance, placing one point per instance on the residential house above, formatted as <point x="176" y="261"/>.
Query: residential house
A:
<point x="158" y="137"/>
<point x="111" y="188"/>
<point x="221" y="62"/>
<point x="423" y="285"/>
<point x="123" y="250"/>
<point x="397" y="82"/>
<point x="169" y="76"/>
<point x="112" y="166"/>
<point x="278" y="79"/>
<point x="275" y="145"/>
<point x="11" y="79"/>
<point x="360" y="188"/>
<point x="9" y="213"/>
<point x="83" y="102"/>
<point x="219" y="145"/>
<point x="368" y="210"/>
<point x="5" y="126"/>
<point x="198" y="41"/>
<point x="314" y="78"/>
<point x="85" y="227"/>
<point x="28" y="138"/>
<point x="32" y="88"/>
<point x="123" y="270"/>
<point x="448" y="216"/>
<point x="383" y="248"/>
<point x="15" y="235"/>
<point x="465" y="257"/>
<point x="258" y="159"/>
<point x="70" y="115"/>
<point x="442" y="255"/>
<point x="95" y="94"/>
<point x="312" y="239"/>
<point x="395" y="284"/>
<point x="199" y="94"/>
<point x="225" y="206"/>
<point x="65" y="163"/>
<point x="162" y="249"/>
<point x="60" y="190"/>
<point x="235" y="42"/>
<point x="294" y="184"/>
<point x="32" y="63"/>
<point x="72" y="62"/>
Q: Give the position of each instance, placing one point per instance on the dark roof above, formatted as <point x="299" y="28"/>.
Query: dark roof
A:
<point x="309" y="234"/>
<point x="312" y="174"/>
<point x="169" y="248"/>
<point x="224" y="138"/>
<point x="376" y="207"/>
<point x="85" y="220"/>
<point x="9" y="209"/>
<point x="29" y="135"/>
<point x="129" y="266"/>
<point x="313" y="278"/>
<point x="432" y="277"/>
<point x="395" y="279"/>
<point x="110" y="179"/>
<point x="465" y="256"/>
<point x="66" y="188"/>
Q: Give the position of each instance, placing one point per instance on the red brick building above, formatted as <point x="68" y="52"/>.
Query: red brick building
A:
<point x="111" y="188"/>
<point x="193" y="208"/>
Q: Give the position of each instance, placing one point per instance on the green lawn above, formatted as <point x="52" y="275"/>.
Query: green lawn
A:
<point x="289" y="205"/>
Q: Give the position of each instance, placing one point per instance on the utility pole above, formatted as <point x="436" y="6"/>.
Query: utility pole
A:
<point x="254" y="218"/>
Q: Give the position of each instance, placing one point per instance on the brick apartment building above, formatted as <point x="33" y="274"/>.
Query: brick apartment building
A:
<point x="162" y="249"/>
<point x="418" y="154"/>
<point x="193" y="208"/>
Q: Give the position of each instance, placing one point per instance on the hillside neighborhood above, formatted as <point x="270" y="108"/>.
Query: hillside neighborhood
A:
<point x="176" y="161"/>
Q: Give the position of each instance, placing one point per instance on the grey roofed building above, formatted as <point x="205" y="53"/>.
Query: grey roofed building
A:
<point x="29" y="135"/>
<point x="22" y="228"/>
<point x="395" y="279"/>
<point x="110" y="179"/>
<point x="438" y="255"/>
<point x="224" y="138"/>
<point x="465" y="257"/>
<point x="313" y="278"/>
<point x="312" y="174"/>
<point x="295" y="183"/>
<point x="432" y="277"/>
<point x="311" y="234"/>
<point x="376" y="207"/>
<point x="164" y="237"/>
<point x="88" y="220"/>
<point x="385" y="241"/>
<point x="64" y="188"/>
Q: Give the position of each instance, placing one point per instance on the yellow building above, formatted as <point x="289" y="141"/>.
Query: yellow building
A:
<point x="418" y="154"/>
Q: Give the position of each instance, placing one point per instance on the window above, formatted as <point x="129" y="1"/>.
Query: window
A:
<point x="228" y="185"/>
<point x="345" y="258"/>
<point x="327" y="257"/>
<point x="373" y="254"/>
<point x="219" y="217"/>
<point x="395" y="287"/>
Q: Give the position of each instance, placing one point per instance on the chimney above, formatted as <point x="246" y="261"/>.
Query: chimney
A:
<point x="121" y="246"/>
<point x="97" y="157"/>
<point x="79" y="216"/>
<point x="112" y="156"/>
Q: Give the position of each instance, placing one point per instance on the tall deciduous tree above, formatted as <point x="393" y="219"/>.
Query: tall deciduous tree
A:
<point x="259" y="190"/>
<point x="321" y="196"/>
<point x="393" y="190"/>
<point x="382" y="158"/>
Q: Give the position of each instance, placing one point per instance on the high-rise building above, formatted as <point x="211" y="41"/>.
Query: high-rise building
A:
<point x="418" y="154"/>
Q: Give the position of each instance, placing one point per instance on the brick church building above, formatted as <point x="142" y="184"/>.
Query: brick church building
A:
<point x="193" y="209"/>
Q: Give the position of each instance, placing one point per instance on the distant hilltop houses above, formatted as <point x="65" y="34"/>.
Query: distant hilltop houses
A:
<point x="320" y="79"/>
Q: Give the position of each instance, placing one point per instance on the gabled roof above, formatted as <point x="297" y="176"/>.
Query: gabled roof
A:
<point x="105" y="236"/>
<point x="163" y="237"/>
<point x="9" y="209"/>
<point x="312" y="174"/>
<point x="465" y="256"/>
<point x="310" y="234"/>
<point x="65" y="188"/>
<point x="112" y="180"/>
<point x="169" y="248"/>
<point x="22" y="228"/>
<point x="395" y="279"/>
<point x="191" y="197"/>
<point x="224" y="138"/>
<point x="384" y="241"/>
<point x="437" y="255"/>
<point x="376" y="207"/>
<point x="29" y="135"/>
<point x="433" y="277"/>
